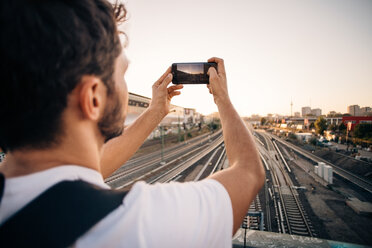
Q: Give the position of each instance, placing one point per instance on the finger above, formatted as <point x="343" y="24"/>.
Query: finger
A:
<point x="220" y="64"/>
<point x="174" y="93"/>
<point x="160" y="80"/>
<point x="175" y="87"/>
<point x="167" y="80"/>
<point x="209" y="88"/>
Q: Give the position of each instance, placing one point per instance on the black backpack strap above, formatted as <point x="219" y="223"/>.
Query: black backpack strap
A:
<point x="60" y="215"/>
<point x="2" y="183"/>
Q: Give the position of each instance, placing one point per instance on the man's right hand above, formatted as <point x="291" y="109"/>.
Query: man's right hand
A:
<point x="217" y="82"/>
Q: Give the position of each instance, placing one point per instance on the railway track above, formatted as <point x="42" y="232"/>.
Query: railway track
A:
<point x="362" y="183"/>
<point x="292" y="217"/>
<point x="152" y="162"/>
<point x="268" y="220"/>
<point x="176" y="161"/>
<point x="157" y="154"/>
<point x="254" y="222"/>
<point x="168" y="175"/>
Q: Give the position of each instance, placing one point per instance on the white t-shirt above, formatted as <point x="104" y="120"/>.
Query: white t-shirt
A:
<point x="194" y="214"/>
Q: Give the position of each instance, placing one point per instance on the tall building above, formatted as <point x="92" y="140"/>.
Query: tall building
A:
<point x="365" y="111"/>
<point x="305" y="111"/>
<point x="353" y="110"/>
<point x="316" y="112"/>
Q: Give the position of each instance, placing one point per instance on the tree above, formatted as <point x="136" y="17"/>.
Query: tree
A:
<point x="332" y="127"/>
<point x="263" y="121"/>
<point x="342" y="128"/>
<point x="320" y="125"/>
<point x="363" y="131"/>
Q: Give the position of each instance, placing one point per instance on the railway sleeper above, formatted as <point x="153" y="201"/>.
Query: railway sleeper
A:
<point x="297" y="222"/>
<point x="295" y="218"/>
<point x="300" y="230"/>
<point x="294" y="215"/>
<point x="298" y="226"/>
<point x="301" y="233"/>
<point x="292" y="212"/>
<point x="292" y="208"/>
<point x="291" y="204"/>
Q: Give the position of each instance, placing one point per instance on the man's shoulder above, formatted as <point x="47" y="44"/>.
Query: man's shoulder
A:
<point x="20" y="191"/>
<point x="173" y="190"/>
<point x="154" y="213"/>
<point x="65" y="211"/>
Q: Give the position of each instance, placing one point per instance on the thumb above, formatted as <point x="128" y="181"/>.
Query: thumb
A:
<point x="212" y="73"/>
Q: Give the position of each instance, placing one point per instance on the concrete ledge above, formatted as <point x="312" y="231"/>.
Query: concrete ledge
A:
<point x="269" y="239"/>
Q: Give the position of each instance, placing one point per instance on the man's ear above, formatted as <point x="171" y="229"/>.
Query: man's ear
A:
<point x="92" y="97"/>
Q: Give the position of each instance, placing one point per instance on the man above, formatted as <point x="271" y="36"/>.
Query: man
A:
<point x="63" y="102"/>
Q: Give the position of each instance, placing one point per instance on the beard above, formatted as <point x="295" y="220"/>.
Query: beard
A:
<point x="111" y="124"/>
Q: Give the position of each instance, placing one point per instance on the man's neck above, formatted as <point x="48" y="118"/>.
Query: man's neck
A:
<point x="27" y="161"/>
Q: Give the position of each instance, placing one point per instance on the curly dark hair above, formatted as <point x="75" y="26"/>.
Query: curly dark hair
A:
<point x="46" y="46"/>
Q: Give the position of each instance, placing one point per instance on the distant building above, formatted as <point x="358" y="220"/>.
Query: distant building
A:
<point x="176" y="116"/>
<point x="353" y="110"/>
<point x="355" y="120"/>
<point x="316" y="112"/>
<point x="255" y="117"/>
<point x="365" y="111"/>
<point x="270" y="117"/>
<point x="334" y="120"/>
<point x="334" y="114"/>
<point x="297" y="114"/>
<point x="190" y="115"/>
<point x="137" y="104"/>
<point x="305" y="111"/>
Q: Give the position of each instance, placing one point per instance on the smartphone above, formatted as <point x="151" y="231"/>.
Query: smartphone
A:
<point x="191" y="73"/>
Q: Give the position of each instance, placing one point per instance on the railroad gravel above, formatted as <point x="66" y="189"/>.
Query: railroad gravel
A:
<point x="336" y="221"/>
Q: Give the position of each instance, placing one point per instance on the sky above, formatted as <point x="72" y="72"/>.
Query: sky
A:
<point x="314" y="53"/>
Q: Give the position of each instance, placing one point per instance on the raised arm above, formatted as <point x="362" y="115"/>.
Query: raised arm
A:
<point x="245" y="175"/>
<point x="119" y="150"/>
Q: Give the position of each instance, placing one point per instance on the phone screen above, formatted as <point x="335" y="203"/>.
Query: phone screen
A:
<point x="191" y="73"/>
